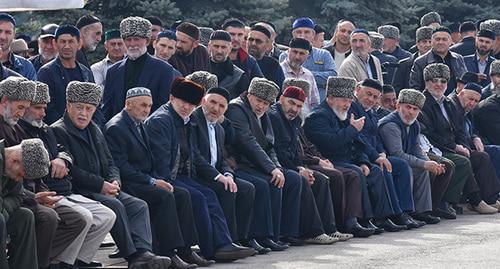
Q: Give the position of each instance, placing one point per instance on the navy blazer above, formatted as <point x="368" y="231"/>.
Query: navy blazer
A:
<point x="369" y="134"/>
<point x="131" y="153"/>
<point x="466" y="47"/>
<point x="156" y="75"/>
<point x="337" y="140"/>
<point x="162" y="129"/>
<point x="473" y="66"/>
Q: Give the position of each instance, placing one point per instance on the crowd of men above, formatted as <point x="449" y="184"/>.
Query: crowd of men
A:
<point x="225" y="140"/>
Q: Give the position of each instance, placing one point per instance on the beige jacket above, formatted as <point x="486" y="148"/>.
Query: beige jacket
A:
<point x="354" y="67"/>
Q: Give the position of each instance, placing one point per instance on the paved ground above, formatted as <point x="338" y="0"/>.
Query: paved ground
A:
<point x="471" y="241"/>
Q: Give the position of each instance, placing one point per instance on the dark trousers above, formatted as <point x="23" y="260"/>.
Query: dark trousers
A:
<point x="267" y="203"/>
<point x="323" y="198"/>
<point x="345" y="188"/>
<point x="494" y="152"/>
<point x="208" y="216"/>
<point x="237" y="207"/>
<point x="132" y="229"/>
<point x="374" y="192"/>
<point x="441" y="183"/>
<point x="22" y="247"/>
<point x="463" y="173"/>
<point x="172" y="219"/>
<point x="400" y="185"/>
<point x="485" y="176"/>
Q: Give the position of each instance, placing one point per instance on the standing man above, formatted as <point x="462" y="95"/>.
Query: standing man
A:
<point x="391" y="42"/>
<point x="115" y="47"/>
<point x="9" y="59"/>
<point x="340" y="44"/>
<point x="480" y="61"/>
<point x="46" y="49"/>
<point x="90" y="28"/>
<point x="468" y="33"/>
<point x="63" y="69"/>
<point x="387" y="61"/>
<point x="494" y="26"/>
<point x="156" y="28"/>
<point x="138" y="69"/>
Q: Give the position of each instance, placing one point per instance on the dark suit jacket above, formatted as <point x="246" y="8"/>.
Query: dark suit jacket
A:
<point x="369" y="134"/>
<point x="466" y="47"/>
<point x="385" y="59"/>
<point x="162" y="128"/>
<point x="402" y="74"/>
<point x="487" y="125"/>
<point x="131" y="153"/>
<point x="473" y="66"/>
<point x="157" y="76"/>
<point x="254" y="147"/>
<point x="203" y="144"/>
<point x="92" y="162"/>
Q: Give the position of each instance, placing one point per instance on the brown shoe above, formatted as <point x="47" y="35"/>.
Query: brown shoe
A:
<point x="194" y="258"/>
<point x="483" y="208"/>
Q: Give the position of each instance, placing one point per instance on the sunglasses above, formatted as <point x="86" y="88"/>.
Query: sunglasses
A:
<point x="442" y="80"/>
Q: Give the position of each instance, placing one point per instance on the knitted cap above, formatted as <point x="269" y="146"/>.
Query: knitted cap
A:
<point x="189" y="29"/>
<point x="423" y="33"/>
<point x="262" y="29"/>
<point x="67" y="29"/>
<point x="468" y="77"/>
<point x="387" y="88"/>
<point x="220" y="91"/>
<point x="205" y="79"/>
<point x="187" y="91"/>
<point x="35" y="158"/>
<point x="135" y="27"/>
<point x="295" y="93"/>
<point x="340" y="87"/>
<point x="220" y="35"/>
<point x="441" y="29"/>
<point x="473" y="87"/>
<point x="112" y="34"/>
<point x="487" y="34"/>
<point x="18" y="89"/>
<point x="83" y="92"/>
<point x="492" y="25"/>
<point x="86" y="20"/>
<point x="297" y="82"/>
<point x="300" y="43"/>
<point x="495" y="67"/>
<point x="138" y="91"/>
<point x="377" y="40"/>
<point x="264" y="89"/>
<point x="7" y="17"/>
<point x="436" y="70"/>
<point x="389" y="31"/>
<point x="371" y="83"/>
<point x="430" y="18"/>
<point x="411" y="97"/>
<point x="167" y="34"/>
<point x="42" y="95"/>
<point x="303" y="22"/>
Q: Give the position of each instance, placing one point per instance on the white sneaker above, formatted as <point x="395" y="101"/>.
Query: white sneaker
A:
<point x="341" y="236"/>
<point x="496" y="205"/>
<point x="321" y="239"/>
<point x="483" y="208"/>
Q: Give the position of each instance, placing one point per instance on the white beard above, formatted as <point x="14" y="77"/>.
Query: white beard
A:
<point x="136" y="53"/>
<point x="7" y="117"/>
<point x="341" y="115"/>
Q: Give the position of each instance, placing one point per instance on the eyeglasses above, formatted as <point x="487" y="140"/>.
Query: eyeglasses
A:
<point x="257" y="41"/>
<point x="442" y="80"/>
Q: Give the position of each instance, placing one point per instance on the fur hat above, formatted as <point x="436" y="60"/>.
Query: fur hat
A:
<point x="492" y="25"/>
<point x="42" y="95"/>
<point x="297" y="82"/>
<point x="495" y="67"/>
<point x="411" y="97"/>
<point x="205" y="79"/>
<point x="377" y="40"/>
<point x="423" y="33"/>
<point x="436" y="70"/>
<point x="18" y="89"/>
<point x="135" y="26"/>
<point x="205" y="33"/>
<point x="340" y="87"/>
<point x="429" y="18"/>
<point x="187" y="90"/>
<point x="35" y="158"/>
<point x="389" y="31"/>
<point x="83" y="92"/>
<point x="295" y="93"/>
<point x="138" y="91"/>
<point x="487" y="34"/>
<point x="264" y="89"/>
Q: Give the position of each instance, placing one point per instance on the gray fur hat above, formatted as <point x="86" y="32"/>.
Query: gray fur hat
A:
<point x="495" y="67"/>
<point x="83" y="92"/>
<point x="377" y="40"/>
<point x="492" y="25"/>
<point x="297" y="82"/>
<point x="138" y="91"/>
<point x="205" y="33"/>
<point x="35" y="158"/>
<point x="18" y="89"/>
<point x="436" y="70"/>
<point x="429" y="18"/>
<point x="206" y="79"/>
<point x="42" y="95"/>
<point x="340" y="87"/>
<point x="411" y="97"/>
<point x="264" y="89"/>
<point x="423" y="33"/>
<point x="135" y="26"/>
<point x="389" y="31"/>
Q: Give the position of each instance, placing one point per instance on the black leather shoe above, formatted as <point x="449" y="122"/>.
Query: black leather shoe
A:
<point x="369" y="224"/>
<point x="427" y="218"/>
<point x="115" y="254"/>
<point x="149" y="260"/>
<point x="255" y="245"/>
<point x="92" y="264"/>
<point x="389" y="226"/>
<point x="231" y="252"/>
<point x="443" y="213"/>
<point x="194" y="258"/>
<point x="178" y="263"/>
<point x="293" y="241"/>
<point x="360" y="231"/>
<point x="268" y="243"/>
<point x="406" y="220"/>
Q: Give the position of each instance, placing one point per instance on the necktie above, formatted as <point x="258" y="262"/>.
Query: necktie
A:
<point x="213" y="144"/>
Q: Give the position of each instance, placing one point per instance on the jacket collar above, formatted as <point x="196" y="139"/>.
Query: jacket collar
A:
<point x="70" y="127"/>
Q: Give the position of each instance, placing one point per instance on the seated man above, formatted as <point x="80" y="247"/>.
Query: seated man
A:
<point x="170" y="208"/>
<point x="177" y="160"/>
<point x="399" y="132"/>
<point x="338" y="139"/>
<point x="257" y="162"/>
<point x="439" y="125"/>
<point x="408" y="195"/>
<point x="95" y="175"/>
<point x="83" y="223"/>
<point x="28" y="160"/>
